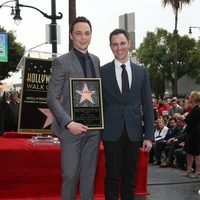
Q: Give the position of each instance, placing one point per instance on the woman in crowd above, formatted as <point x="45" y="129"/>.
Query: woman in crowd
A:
<point x="192" y="143"/>
<point x="160" y="133"/>
<point x="186" y="106"/>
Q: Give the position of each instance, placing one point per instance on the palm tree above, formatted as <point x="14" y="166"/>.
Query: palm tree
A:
<point x="72" y="16"/>
<point x="176" y="6"/>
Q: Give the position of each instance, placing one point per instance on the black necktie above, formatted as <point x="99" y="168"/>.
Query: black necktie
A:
<point x="87" y="67"/>
<point x="125" y="84"/>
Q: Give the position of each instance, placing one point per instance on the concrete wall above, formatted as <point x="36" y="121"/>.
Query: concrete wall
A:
<point x="185" y="86"/>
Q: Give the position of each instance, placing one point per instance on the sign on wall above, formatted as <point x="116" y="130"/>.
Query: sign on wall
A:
<point x="35" y="116"/>
<point x="3" y="47"/>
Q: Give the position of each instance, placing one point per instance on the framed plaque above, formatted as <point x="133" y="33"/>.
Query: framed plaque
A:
<point x="86" y="102"/>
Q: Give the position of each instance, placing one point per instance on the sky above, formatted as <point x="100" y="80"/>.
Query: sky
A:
<point x="104" y="16"/>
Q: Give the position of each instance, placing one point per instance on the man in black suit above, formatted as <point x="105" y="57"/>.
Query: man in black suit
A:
<point x="127" y="100"/>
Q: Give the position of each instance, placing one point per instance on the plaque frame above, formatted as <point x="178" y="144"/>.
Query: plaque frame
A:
<point x="86" y="102"/>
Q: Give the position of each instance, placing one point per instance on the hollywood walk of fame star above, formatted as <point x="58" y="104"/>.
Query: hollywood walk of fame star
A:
<point x="86" y="94"/>
<point x="49" y="116"/>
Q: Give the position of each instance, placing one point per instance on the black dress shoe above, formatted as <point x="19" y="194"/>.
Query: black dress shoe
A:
<point x="165" y="164"/>
<point x="157" y="163"/>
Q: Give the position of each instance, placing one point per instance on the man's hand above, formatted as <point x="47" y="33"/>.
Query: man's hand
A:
<point x="147" y="145"/>
<point x="76" y="128"/>
<point x="170" y="140"/>
<point x="182" y="144"/>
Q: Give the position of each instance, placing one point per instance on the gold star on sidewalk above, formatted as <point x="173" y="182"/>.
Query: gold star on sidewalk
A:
<point x="86" y="94"/>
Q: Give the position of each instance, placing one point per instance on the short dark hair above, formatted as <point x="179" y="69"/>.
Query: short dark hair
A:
<point x="13" y="94"/>
<point x="119" y="31"/>
<point x="172" y="119"/>
<point x="173" y="100"/>
<point x="80" y="19"/>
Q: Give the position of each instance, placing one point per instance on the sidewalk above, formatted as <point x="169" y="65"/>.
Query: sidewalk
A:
<point x="170" y="184"/>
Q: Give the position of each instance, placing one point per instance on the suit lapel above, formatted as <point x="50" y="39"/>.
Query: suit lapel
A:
<point x="76" y="64"/>
<point x="114" y="80"/>
<point x="133" y="78"/>
<point x="96" y="66"/>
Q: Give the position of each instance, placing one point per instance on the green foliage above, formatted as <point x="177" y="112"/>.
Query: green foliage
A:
<point x="176" y="4"/>
<point x="15" y="52"/>
<point x="156" y="52"/>
<point x="194" y="63"/>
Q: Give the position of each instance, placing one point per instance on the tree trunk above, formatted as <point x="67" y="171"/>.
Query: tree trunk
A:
<point x="175" y="52"/>
<point x="175" y="85"/>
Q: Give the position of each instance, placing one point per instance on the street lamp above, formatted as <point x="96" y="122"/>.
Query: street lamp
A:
<point x="191" y="27"/>
<point x="53" y="26"/>
<point x="12" y="8"/>
<point x="17" y="11"/>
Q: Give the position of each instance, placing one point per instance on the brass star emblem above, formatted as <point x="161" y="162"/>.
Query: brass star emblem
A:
<point x="86" y="94"/>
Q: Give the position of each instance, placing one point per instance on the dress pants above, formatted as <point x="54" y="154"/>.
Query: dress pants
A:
<point x="121" y="158"/>
<point x="181" y="160"/>
<point x="158" y="148"/>
<point x="169" y="151"/>
<point x="79" y="155"/>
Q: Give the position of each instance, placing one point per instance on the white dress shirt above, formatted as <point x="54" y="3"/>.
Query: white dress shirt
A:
<point x="160" y="134"/>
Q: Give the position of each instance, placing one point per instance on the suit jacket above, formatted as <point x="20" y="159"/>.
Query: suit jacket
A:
<point x="173" y="110"/>
<point x="131" y="112"/>
<point x="173" y="133"/>
<point x="58" y="96"/>
<point x="181" y="137"/>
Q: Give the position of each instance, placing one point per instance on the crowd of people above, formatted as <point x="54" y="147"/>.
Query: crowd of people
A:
<point x="177" y="129"/>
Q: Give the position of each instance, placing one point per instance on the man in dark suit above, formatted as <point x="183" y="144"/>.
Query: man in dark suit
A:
<point x="79" y="146"/>
<point x="11" y="113"/>
<point x="127" y="100"/>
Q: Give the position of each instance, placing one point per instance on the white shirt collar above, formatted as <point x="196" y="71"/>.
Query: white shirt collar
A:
<point x="118" y="64"/>
<point x="118" y="71"/>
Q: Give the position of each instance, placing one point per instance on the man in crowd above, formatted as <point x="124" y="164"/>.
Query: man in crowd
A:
<point x="11" y="114"/>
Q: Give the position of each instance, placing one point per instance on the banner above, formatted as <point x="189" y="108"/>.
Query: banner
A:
<point x="3" y="47"/>
<point x="35" y="116"/>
